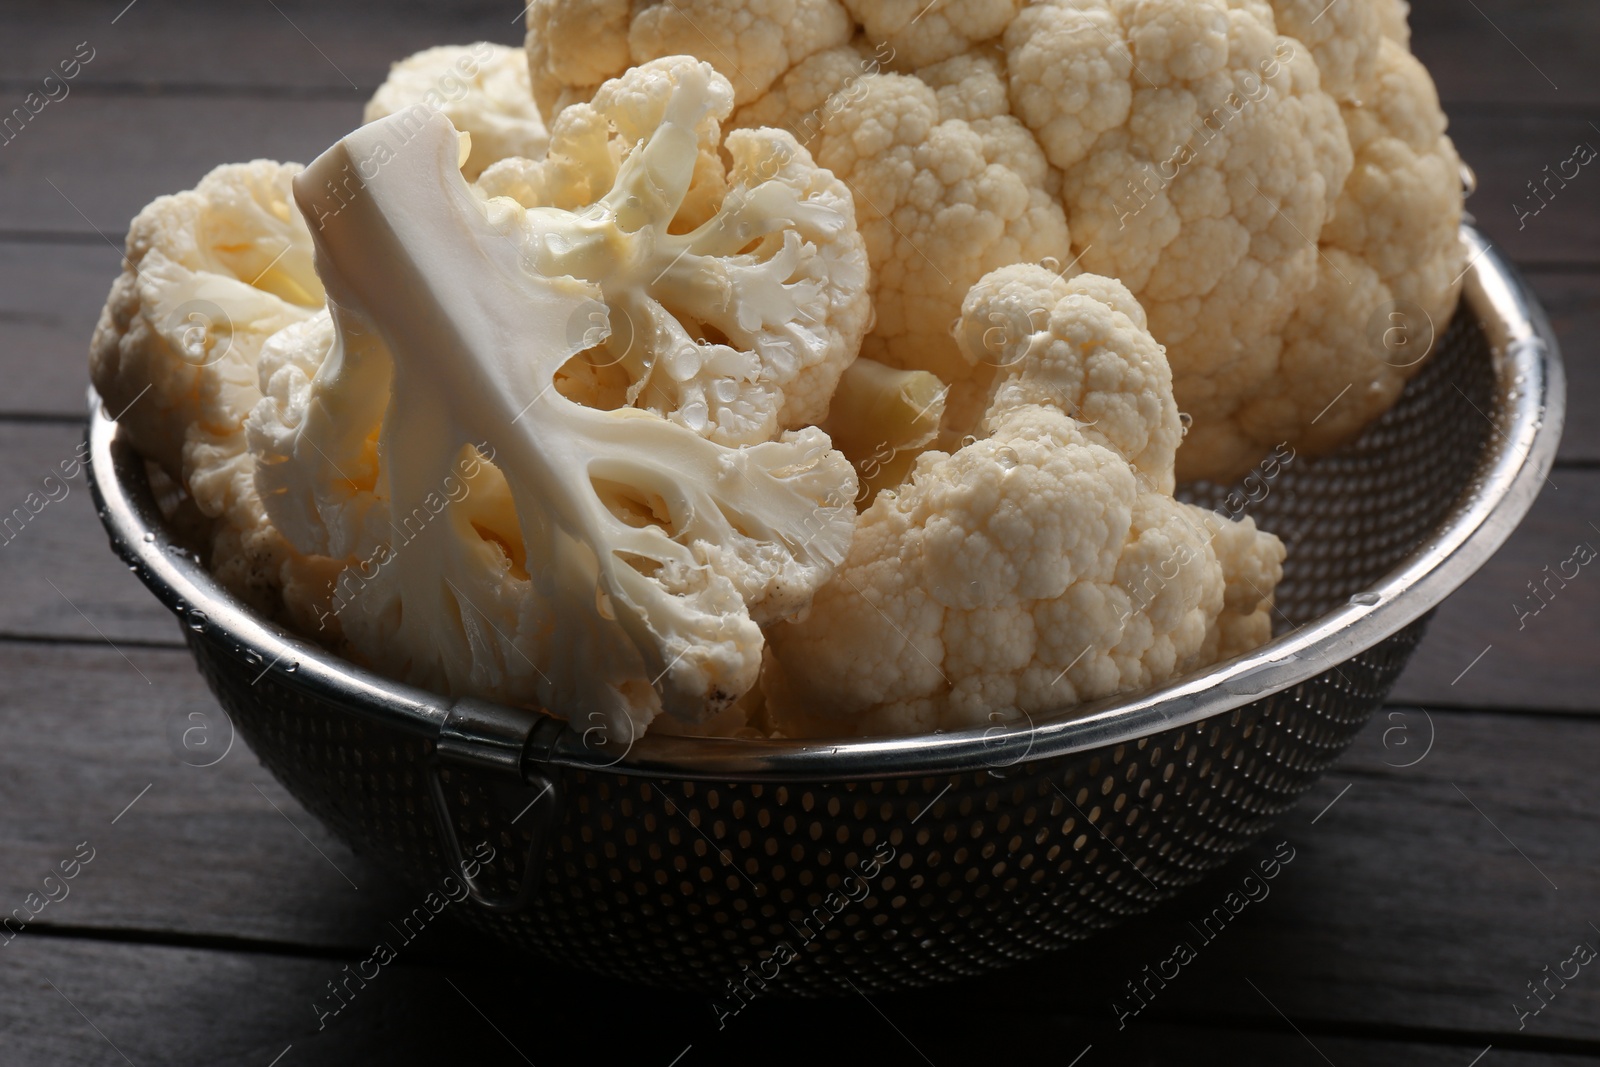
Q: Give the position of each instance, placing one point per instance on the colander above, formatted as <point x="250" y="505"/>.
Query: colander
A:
<point x="824" y="867"/>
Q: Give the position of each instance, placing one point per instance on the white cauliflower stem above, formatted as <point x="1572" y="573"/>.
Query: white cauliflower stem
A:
<point x="599" y="561"/>
<point x="1042" y="565"/>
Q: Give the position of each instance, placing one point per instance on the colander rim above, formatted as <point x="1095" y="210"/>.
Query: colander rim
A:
<point x="1532" y="390"/>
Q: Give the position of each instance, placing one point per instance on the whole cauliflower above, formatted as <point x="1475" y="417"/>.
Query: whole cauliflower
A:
<point x="1044" y="564"/>
<point x="481" y="88"/>
<point x="209" y="275"/>
<point x="1266" y="177"/>
<point x="508" y="536"/>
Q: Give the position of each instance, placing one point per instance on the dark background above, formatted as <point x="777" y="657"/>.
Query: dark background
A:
<point x="1418" y="905"/>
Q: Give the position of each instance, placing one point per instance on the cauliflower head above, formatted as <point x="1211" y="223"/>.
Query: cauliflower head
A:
<point x="500" y="538"/>
<point x="209" y="275"/>
<point x="1043" y="564"/>
<point x="1266" y="176"/>
<point x="481" y="88"/>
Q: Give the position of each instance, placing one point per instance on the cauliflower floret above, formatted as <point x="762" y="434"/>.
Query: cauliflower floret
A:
<point x="733" y="312"/>
<point x="209" y="275"/>
<point x="922" y="32"/>
<point x="574" y="45"/>
<point x="1041" y="565"/>
<point x="504" y="540"/>
<point x="1392" y="256"/>
<point x="1198" y="150"/>
<point x="947" y="188"/>
<point x="481" y="88"/>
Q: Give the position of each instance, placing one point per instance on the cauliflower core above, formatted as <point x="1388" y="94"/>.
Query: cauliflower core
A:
<point x="1042" y="565"/>
<point x="1267" y="178"/>
<point x="610" y="562"/>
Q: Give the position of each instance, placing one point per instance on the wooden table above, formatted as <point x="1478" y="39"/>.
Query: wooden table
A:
<point x="214" y="910"/>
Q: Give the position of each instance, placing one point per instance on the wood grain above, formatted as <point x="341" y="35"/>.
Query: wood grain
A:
<point x="1508" y="52"/>
<point x="297" y="46"/>
<point x="59" y="576"/>
<point x="1541" y="656"/>
<point x="50" y="299"/>
<point x="56" y="174"/>
<point x="202" y="850"/>
<point x="184" y="1008"/>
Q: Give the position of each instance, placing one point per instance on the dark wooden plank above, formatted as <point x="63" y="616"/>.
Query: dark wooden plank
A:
<point x="91" y="166"/>
<point x="201" y="851"/>
<point x="1509" y="51"/>
<point x="1537" y="656"/>
<point x="189" y="43"/>
<point x="50" y="299"/>
<point x="84" y="1003"/>
<point x="1509" y="153"/>
<point x="59" y="576"/>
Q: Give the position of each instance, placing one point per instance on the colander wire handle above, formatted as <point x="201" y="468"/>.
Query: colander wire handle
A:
<point x="491" y="742"/>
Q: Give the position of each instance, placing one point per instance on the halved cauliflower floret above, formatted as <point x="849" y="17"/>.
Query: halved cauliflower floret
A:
<point x="481" y="88"/>
<point x="501" y="538"/>
<point x="1042" y="565"/>
<point x="732" y="310"/>
<point x="209" y="275"/>
<point x="1228" y="160"/>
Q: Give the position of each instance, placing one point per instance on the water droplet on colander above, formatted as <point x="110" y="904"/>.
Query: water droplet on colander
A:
<point x="149" y="537"/>
<point x="291" y="666"/>
<point x="1185" y="420"/>
<point x="1365" y="599"/>
<point x="197" y="620"/>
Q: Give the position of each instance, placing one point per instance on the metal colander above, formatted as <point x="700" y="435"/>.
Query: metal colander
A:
<point x="803" y="867"/>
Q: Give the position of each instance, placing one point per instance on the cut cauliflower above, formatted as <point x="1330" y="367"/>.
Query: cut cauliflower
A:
<point x="1042" y="565"/>
<point x="505" y="540"/>
<point x="209" y="275"/>
<point x="732" y="310"/>
<point x="1228" y="160"/>
<point x="481" y="88"/>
